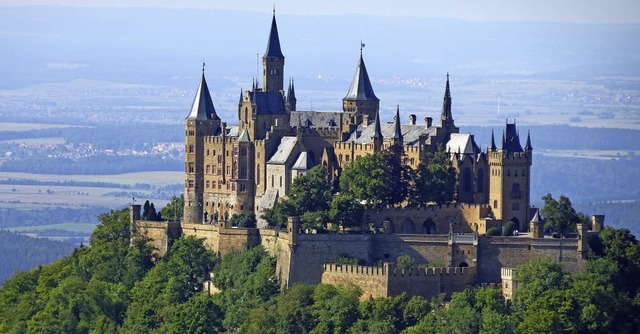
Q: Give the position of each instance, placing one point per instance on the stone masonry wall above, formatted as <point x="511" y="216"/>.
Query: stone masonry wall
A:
<point x="497" y="252"/>
<point x="160" y="233"/>
<point x="462" y="217"/>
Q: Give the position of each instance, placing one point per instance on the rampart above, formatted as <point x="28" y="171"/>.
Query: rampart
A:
<point x="221" y="240"/>
<point x="431" y="219"/>
<point x="160" y="234"/>
<point x="387" y="280"/>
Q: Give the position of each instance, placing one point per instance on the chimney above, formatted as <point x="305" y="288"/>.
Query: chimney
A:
<point x="412" y="119"/>
<point x="428" y="121"/>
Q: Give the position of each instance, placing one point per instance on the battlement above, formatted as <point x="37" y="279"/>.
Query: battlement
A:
<point x="220" y="140"/>
<point x="388" y="269"/>
<point x="507" y="273"/>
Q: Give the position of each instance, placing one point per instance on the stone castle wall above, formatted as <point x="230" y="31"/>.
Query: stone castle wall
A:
<point x="159" y="233"/>
<point x="387" y="281"/>
<point x="463" y="217"/>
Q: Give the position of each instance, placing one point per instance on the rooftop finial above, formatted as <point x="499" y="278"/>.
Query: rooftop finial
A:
<point x="203" y="67"/>
<point x="361" y="47"/>
<point x="274" y="9"/>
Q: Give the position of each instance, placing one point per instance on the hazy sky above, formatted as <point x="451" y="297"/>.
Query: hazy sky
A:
<point x="592" y="11"/>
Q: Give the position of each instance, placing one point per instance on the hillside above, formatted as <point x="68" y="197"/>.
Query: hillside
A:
<point x="19" y="252"/>
<point x="113" y="288"/>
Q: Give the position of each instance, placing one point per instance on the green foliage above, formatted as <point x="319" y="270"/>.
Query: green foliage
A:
<point x="149" y="212"/>
<point x="560" y="214"/>
<point x="493" y="232"/>
<point x="405" y="262"/>
<point x="346" y="211"/>
<point x="174" y="210"/>
<point x="246" y="219"/>
<point x="434" y="181"/>
<point x="366" y="180"/>
<point x="344" y="259"/>
<point x="508" y="228"/>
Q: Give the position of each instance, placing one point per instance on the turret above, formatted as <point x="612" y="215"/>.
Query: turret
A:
<point x="493" y="142"/>
<point x="202" y="121"/>
<point x="291" y="97"/>
<point x="360" y="98"/>
<point x="273" y="61"/>
<point x="397" y="130"/>
<point x="377" y="138"/>
<point x="447" y="125"/>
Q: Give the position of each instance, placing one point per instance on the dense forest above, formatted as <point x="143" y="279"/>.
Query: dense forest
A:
<point x="113" y="286"/>
<point x="19" y="252"/>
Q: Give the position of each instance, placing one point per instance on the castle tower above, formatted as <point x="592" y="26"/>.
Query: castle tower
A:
<point x="397" y="138"/>
<point x="244" y="155"/>
<point x="202" y="121"/>
<point x="360" y="98"/>
<point x="446" y="117"/>
<point x="291" y="100"/>
<point x="509" y="178"/>
<point x="377" y="138"/>
<point x="273" y="61"/>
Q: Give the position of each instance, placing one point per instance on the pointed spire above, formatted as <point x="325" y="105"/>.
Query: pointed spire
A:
<point x="291" y="93"/>
<point x="397" y="132"/>
<point x="493" y="142"/>
<point x="446" y="103"/>
<point x="528" y="146"/>
<point x="504" y="141"/>
<point x="361" y="88"/>
<point x="377" y="134"/>
<point x="240" y="101"/>
<point x="273" y="45"/>
<point x="202" y="107"/>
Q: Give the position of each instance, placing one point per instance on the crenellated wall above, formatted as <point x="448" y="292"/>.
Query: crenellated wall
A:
<point x="387" y="280"/>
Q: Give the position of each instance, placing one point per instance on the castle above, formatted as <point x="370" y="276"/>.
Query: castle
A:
<point x="250" y="166"/>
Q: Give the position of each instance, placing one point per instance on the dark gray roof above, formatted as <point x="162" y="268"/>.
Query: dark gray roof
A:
<point x="315" y="119"/>
<point x="268" y="102"/>
<point x="511" y="139"/>
<point x="361" y="88"/>
<point x="273" y="45"/>
<point x="410" y="133"/>
<point x="397" y="133"/>
<point x="244" y="136"/>
<point x="202" y="107"/>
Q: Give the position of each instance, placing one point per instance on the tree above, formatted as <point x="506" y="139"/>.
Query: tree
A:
<point x="365" y="179"/>
<point x="174" y="209"/>
<point x="398" y="174"/>
<point x="559" y="215"/>
<point x="433" y="181"/>
<point x="405" y="262"/>
<point x="246" y="219"/>
<point x="346" y="211"/>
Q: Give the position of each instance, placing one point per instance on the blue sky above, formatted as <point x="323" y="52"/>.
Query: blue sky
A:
<point x="579" y="11"/>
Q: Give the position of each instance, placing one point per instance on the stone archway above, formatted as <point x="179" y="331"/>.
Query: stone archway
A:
<point x="408" y="227"/>
<point x="429" y="227"/>
<point x="463" y="265"/>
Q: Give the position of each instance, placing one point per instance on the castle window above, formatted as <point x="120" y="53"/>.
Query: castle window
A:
<point x="219" y="187"/>
<point x="495" y="204"/>
<point x="214" y="153"/>
<point x="191" y="169"/>
<point x="346" y="158"/>
<point x="340" y="158"/>
<point x="243" y="188"/>
<point x="190" y="184"/>
<point x="280" y="181"/>
<point x="208" y="184"/>
<point x="258" y="174"/>
<point x="208" y="170"/>
<point x="480" y="180"/>
<point x="466" y="179"/>
<point x="228" y="170"/>
<point x="190" y="148"/>
<point x="515" y="191"/>
<point x="272" y="180"/>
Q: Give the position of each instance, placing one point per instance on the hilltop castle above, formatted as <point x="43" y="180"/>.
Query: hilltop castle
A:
<point x="249" y="167"/>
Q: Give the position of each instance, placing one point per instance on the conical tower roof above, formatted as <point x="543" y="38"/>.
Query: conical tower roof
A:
<point x="273" y="45"/>
<point x="361" y="88"/>
<point x="202" y="108"/>
<point x="377" y="134"/>
<point x="493" y="141"/>
<point x="528" y="146"/>
<point x="446" y="103"/>
<point x="397" y="130"/>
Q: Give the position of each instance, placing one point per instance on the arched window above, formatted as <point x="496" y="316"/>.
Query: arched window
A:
<point x="466" y="179"/>
<point x="480" y="180"/>
<point x="258" y="174"/>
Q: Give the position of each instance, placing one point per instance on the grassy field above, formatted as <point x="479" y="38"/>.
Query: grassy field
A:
<point x="154" y="178"/>
<point x="9" y="126"/>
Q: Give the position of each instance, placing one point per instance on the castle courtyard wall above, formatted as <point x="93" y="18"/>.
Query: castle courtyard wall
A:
<point x="463" y="217"/>
<point x="160" y="234"/>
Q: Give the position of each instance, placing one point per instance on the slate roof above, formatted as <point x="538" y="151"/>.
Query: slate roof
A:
<point x="286" y="147"/>
<point x="268" y="102"/>
<point x="410" y="133"/>
<point x="244" y="136"/>
<point x="462" y="143"/>
<point x="273" y="45"/>
<point x="304" y="162"/>
<point x="511" y="139"/>
<point x="318" y="119"/>
<point x="361" y="88"/>
<point x="202" y="107"/>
